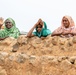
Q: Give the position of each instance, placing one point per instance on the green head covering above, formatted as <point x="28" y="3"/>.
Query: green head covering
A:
<point x="13" y="23"/>
<point x="44" y="32"/>
<point x="12" y="32"/>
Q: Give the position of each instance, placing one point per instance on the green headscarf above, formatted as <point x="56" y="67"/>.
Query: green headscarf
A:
<point x="44" y="32"/>
<point x="12" y="32"/>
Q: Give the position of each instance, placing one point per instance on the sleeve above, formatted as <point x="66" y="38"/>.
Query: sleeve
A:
<point x="73" y="31"/>
<point x="46" y="32"/>
<point x="34" y="33"/>
<point x="58" y="30"/>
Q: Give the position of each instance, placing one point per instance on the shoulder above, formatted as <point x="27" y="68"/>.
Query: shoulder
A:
<point x="34" y="33"/>
<point x="16" y="30"/>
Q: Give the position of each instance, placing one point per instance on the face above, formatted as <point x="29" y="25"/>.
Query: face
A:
<point x="8" y="24"/>
<point x="40" y="21"/>
<point x="66" y="22"/>
<point x="39" y="28"/>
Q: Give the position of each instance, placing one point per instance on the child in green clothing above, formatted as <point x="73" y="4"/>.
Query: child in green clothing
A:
<point x="41" y="30"/>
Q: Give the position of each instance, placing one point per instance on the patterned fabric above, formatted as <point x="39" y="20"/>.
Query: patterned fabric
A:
<point x="12" y="32"/>
<point x="63" y="30"/>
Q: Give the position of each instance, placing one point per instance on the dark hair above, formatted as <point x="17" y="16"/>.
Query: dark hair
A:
<point x="39" y="26"/>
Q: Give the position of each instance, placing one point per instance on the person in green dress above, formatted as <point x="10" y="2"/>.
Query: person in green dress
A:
<point x="41" y="30"/>
<point x="10" y="29"/>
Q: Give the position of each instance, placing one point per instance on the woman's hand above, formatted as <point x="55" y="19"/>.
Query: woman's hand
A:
<point x="1" y="22"/>
<point x="68" y="33"/>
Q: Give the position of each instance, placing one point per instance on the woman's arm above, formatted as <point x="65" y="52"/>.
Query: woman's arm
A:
<point x="29" y="34"/>
<point x="73" y="32"/>
<point x="57" y="32"/>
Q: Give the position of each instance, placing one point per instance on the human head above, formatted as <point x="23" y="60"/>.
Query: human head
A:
<point x="67" y="22"/>
<point x="1" y="22"/>
<point x="9" y="23"/>
<point x="40" y="21"/>
<point x="39" y="27"/>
